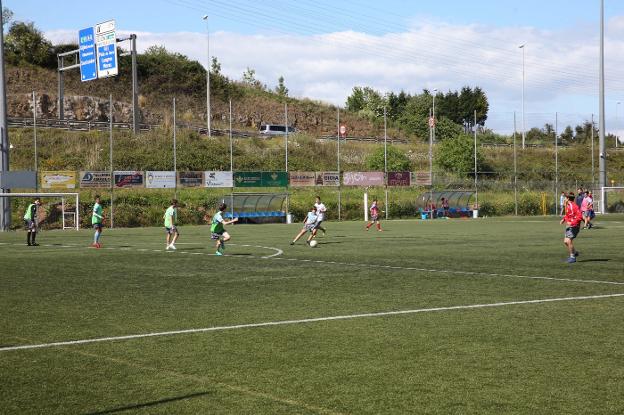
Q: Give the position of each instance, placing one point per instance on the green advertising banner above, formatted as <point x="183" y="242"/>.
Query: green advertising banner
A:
<point x="274" y="179"/>
<point x="260" y="179"/>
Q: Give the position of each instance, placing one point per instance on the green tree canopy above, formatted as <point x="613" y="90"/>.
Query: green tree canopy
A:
<point x="24" y="43"/>
<point x="397" y="160"/>
<point x="457" y="155"/>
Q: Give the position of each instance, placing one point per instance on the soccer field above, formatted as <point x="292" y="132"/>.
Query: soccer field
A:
<point x="430" y="317"/>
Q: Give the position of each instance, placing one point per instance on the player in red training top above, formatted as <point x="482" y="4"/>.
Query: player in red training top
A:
<point x="573" y="218"/>
<point x="374" y="212"/>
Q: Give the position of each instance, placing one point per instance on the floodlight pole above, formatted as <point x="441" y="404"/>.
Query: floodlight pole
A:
<point x="592" y="152"/>
<point x="35" y="137"/>
<point x="523" y="114"/>
<point x="515" y="162"/>
<point x="386" y="160"/>
<point x="175" y="147"/>
<point x="110" y="155"/>
<point x="5" y="203"/>
<point x="338" y="160"/>
<point x="286" y="136"/>
<point x="475" y="163"/>
<point x="136" y="115"/>
<point x="231" y="146"/>
<point x="208" y="115"/>
<point x="602" y="165"/>
<point x="556" y="159"/>
<point x="616" y="123"/>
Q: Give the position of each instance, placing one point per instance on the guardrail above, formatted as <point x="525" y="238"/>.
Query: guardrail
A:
<point x="75" y="125"/>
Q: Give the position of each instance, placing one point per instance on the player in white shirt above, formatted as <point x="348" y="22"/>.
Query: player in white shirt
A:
<point x="320" y="211"/>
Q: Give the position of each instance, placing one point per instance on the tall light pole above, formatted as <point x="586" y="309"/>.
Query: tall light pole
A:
<point x="616" y="123"/>
<point x="523" y="124"/>
<point x="602" y="161"/>
<point x="5" y="204"/>
<point x="435" y="91"/>
<point x="207" y="75"/>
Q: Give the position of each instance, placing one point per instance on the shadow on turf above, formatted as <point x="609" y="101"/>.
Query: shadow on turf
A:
<point x="593" y="260"/>
<point x="148" y="404"/>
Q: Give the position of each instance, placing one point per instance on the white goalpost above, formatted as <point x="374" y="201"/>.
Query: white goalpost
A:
<point x="72" y="217"/>
<point x="605" y="192"/>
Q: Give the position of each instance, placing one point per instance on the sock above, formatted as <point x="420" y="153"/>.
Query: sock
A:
<point x="28" y="237"/>
<point x="378" y="226"/>
<point x="96" y="237"/>
<point x="222" y="244"/>
<point x="368" y="226"/>
<point x="33" y="235"/>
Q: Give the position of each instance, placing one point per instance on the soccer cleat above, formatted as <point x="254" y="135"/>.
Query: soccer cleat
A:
<point x="218" y="253"/>
<point x="292" y="243"/>
<point x="167" y="247"/>
<point x="172" y="246"/>
<point x="576" y="254"/>
<point x="35" y="244"/>
<point x="29" y="244"/>
<point x="571" y="260"/>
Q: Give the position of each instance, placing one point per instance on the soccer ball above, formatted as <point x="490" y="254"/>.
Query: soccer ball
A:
<point x="313" y="243"/>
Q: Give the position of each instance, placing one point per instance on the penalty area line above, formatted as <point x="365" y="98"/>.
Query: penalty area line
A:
<point x="304" y="321"/>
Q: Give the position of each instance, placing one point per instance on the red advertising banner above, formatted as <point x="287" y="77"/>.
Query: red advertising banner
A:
<point x="399" y="178"/>
<point x="371" y="178"/>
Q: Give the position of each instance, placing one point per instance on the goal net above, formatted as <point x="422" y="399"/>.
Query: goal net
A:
<point x="611" y="200"/>
<point x="57" y="210"/>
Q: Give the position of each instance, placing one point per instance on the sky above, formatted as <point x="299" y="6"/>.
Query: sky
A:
<point x="324" y="48"/>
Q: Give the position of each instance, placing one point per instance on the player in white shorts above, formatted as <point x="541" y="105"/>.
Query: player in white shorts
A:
<point x="320" y="212"/>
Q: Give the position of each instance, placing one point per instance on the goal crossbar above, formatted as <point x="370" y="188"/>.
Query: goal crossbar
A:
<point x="62" y="196"/>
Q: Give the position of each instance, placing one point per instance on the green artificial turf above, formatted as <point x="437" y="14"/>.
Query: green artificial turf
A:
<point x="550" y="357"/>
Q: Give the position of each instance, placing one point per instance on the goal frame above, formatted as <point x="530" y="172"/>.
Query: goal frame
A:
<point x="603" y="193"/>
<point x="62" y="196"/>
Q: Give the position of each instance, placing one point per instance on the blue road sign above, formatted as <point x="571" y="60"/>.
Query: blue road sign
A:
<point x="106" y="48"/>
<point x="86" y="43"/>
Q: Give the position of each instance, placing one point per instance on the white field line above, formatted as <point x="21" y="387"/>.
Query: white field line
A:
<point x="304" y="321"/>
<point x="279" y="252"/>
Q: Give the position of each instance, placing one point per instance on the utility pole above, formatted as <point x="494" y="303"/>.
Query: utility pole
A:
<point x="5" y="203"/>
<point x="523" y="114"/>
<point x="110" y="155"/>
<point x="208" y="115"/>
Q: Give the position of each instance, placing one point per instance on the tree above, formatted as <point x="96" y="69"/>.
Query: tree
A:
<point x="215" y="66"/>
<point x="397" y="160"/>
<point x="24" y="43"/>
<point x="367" y="102"/>
<point x="457" y="155"/>
<point x="7" y="15"/>
<point x="567" y="135"/>
<point x="281" y="89"/>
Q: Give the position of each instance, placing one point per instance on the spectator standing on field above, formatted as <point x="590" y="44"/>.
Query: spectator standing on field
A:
<point x="562" y="201"/>
<point x="30" y="220"/>
<point x="445" y="206"/>
<point x="580" y="197"/>
<point x="587" y="209"/>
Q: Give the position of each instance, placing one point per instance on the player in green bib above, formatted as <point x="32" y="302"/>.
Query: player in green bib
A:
<point x="97" y="218"/>
<point x="30" y="220"/>
<point x="217" y="229"/>
<point x="171" y="216"/>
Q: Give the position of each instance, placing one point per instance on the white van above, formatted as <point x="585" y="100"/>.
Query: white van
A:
<point x="272" y="129"/>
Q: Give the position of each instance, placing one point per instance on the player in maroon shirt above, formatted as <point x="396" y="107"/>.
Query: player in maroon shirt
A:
<point x="374" y="212"/>
<point x="573" y="218"/>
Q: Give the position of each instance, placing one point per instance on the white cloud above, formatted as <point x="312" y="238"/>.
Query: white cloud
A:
<point x="561" y="66"/>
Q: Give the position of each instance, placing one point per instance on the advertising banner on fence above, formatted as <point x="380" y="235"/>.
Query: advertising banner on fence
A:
<point x="274" y="178"/>
<point x="302" y="178"/>
<point x="248" y="178"/>
<point x="260" y="179"/>
<point x="328" y="178"/>
<point x="218" y="179"/>
<point x="371" y="178"/>
<point x="421" y="178"/>
<point x="127" y="179"/>
<point x="399" y="178"/>
<point x="95" y="179"/>
<point x="191" y="178"/>
<point x="58" y="179"/>
<point x="160" y="179"/>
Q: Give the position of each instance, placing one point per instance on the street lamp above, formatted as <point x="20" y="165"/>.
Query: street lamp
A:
<point x="207" y="75"/>
<point x="523" y="125"/>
